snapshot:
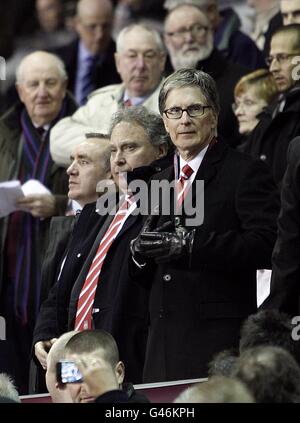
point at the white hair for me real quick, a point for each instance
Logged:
(56, 61)
(156, 36)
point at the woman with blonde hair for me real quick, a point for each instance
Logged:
(252, 94)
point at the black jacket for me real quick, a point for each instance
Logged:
(122, 305)
(270, 139)
(285, 283)
(198, 303)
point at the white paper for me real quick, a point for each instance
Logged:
(33, 186)
(11, 191)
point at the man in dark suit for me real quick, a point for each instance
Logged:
(90, 59)
(190, 42)
(285, 283)
(202, 278)
(137, 138)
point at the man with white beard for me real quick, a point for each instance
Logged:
(188, 37)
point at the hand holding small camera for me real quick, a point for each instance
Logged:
(97, 374)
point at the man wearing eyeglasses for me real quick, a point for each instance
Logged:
(89, 60)
(201, 276)
(279, 123)
(190, 42)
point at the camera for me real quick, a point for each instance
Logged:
(67, 372)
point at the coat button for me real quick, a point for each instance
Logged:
(78, 255)
(167, 277)
(263, 157)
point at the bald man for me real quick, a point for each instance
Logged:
(89, 59)
(24, 145)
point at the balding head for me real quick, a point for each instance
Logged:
(94, 24)
(41, 85)
(188, 36)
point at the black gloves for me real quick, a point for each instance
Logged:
(161, 245)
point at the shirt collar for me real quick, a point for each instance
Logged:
(195, 162)
(135, 101)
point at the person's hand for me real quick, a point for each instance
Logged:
(41, 350)
(39, 205)
(161, 245)
(97, 375)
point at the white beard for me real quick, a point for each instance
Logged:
(186, 58)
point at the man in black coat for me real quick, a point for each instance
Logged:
(279, 123)
(202, 277)
(120, 307)
(190, 42)
(285, 283)
(89, 60)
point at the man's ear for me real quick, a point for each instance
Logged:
(165, 120)
(19, 89)
(120, 372)
(162, 150)
(117, 60)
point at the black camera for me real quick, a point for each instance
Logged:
(67, 372)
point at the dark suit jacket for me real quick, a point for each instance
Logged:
(197, 306)
(122, 304)
(104, 74)
(285, 282)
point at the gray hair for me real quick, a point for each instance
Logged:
(7, 388)
(190, 78)
(55, 60)
(155, 34)
(151, 122)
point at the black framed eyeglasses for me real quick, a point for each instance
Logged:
(194, 110)
(280, 58)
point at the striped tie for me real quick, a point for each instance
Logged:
(182, 183)
(87, 295)
(87, 83)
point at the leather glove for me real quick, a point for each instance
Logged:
(161, 245)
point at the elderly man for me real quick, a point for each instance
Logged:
(189, 40)
(24, 143)
(290, 11)
(137, 138)
(202, 278)
(89, 60)
(140, 61)
(228, 39)
(279, 123)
